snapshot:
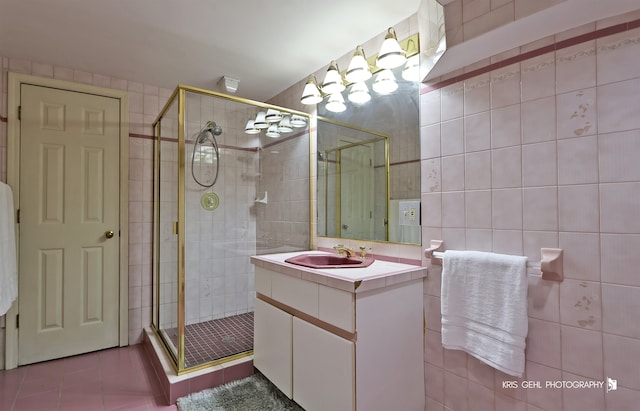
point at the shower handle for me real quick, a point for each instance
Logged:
(108, 234)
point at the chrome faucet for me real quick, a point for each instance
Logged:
(342, 250)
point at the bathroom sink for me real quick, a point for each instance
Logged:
(329, 261)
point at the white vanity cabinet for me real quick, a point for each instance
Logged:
(335, 344)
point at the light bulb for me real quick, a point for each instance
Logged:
(385, 82)
(359, 93)
(391, 54)
(336, 103)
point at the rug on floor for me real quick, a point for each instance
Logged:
(254, 393)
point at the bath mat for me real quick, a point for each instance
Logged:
(254, 393)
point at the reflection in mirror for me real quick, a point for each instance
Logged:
(353, 180)
(345, 140)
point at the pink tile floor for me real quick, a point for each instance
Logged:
(114, 379)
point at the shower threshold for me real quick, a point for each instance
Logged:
(215, 339)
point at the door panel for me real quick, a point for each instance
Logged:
(356, 199)
(69, 199)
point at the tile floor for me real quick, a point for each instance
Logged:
(211, 340)
(113, 379)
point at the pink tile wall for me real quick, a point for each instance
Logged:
(543, 152)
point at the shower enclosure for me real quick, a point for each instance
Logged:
(223, 191)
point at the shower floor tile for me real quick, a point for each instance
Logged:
(212, 340)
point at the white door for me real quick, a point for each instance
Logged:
(356, 188)
(69, 223)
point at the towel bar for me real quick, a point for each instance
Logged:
(550, 264)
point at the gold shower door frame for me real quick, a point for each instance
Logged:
(179, 94)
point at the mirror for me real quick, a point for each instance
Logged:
(369, 167)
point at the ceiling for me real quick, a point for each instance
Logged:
(266, 45)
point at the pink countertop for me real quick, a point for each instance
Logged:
(379, 274)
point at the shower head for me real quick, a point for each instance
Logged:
(215, 129)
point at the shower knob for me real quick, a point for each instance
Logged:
(108, 234)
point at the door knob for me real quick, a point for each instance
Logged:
(108, 234)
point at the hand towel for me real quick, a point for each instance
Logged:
(484, 307)
(8, 265)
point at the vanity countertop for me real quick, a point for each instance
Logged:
(379, 274)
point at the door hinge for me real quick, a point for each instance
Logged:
(18, 216)
(19, 112)
(18, 321)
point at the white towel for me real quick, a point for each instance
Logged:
(484, 307)
(8, 266)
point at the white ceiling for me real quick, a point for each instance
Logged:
(267, 45)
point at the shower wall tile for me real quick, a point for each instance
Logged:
(616, 57)
(452, 137)
(430, 142)
(507, 242)
(478, 170)
(543, 299)
(618, 351)
(505, 86)
(618, 201)
(506, 167)
(540, 209)
(576, 160)
(562, 172)
(452, 102)
(576, 67)
(577, 115)
(620, 259)
(578, 208)
(477, 93)
(581, 255)
(538, 77)
(617, 299)
(539, 166)
(543, 343)
(505, 126)
(617, 104)
(477, 209)
(617, 159)
(479, 239)
(582, 399)
(453, 173)
(477, 132)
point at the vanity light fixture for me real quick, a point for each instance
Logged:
(336, 103)
(284, 126)
(250, 128)
(411, 70)
(391, 54)
(273, 115)
(298, 121)
(385, 82)
(261, 122)
(311, 94)
(358, 70)
(272, 131)
(359, 93)
(333, 83)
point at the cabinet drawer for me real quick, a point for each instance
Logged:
(337, 307)
(296, 293)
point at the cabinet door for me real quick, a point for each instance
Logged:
(323, 369)
(272, 350)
